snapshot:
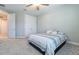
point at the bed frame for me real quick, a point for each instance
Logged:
(56, 50)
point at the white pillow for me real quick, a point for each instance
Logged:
(61, 33)
(54, 33)
(48, 32)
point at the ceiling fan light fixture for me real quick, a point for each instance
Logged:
(36, 4)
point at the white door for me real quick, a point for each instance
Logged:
(11, 26)
(30, 24)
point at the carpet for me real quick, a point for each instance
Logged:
(22, 47)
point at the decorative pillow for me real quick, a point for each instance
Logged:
(48, 32)
(54, 33)
(61, 33)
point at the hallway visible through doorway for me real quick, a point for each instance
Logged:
(3, 26)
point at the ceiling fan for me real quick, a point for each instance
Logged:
(2, 5)
(37, 5)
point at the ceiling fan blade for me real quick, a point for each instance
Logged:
(2, 5)
(37, 7)
(28, 5)
(45, 4)
(25, 9)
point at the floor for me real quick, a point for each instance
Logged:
(3, 36)
(21, 47)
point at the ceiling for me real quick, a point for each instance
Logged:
(13, 8)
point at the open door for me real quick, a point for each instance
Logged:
(3, 25)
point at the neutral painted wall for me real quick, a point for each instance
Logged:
(19, 25)
(64, 18)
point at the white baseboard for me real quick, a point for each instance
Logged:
(74, 43)
(20, 37)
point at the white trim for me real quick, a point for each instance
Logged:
(74, 43)
(20, 37)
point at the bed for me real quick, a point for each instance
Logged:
(46, 42)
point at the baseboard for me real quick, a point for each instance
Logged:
(18, 37)
(74, 43)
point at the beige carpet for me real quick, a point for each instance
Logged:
(21, 47)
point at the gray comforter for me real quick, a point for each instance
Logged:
(47, 43)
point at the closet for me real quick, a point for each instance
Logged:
(30, 24)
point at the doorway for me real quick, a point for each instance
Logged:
(3, 26)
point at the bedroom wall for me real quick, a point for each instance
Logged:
(64, 18)
(19, 25)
